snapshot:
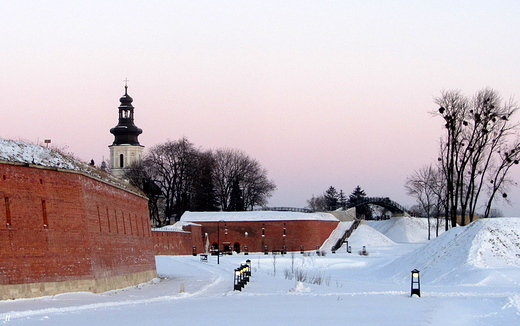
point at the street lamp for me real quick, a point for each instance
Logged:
(248, 262)
(416, 285)
(264, 247)
(218, 239)
(237, 283)
(284, 236)
(246, 249)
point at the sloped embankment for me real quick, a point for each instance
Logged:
(484, 245)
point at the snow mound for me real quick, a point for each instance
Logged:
(336, 235)
(299, 287)
(365, 235)
(405, 229)
(485, 244)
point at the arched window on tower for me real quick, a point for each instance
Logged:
(121, 161)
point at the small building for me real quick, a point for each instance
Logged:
(259, 231)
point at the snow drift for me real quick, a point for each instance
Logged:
(483, 244)
(405, 229)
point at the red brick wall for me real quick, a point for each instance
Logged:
(61, 225)
(306, 233)
(178, 243)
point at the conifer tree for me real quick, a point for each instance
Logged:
(331, 198)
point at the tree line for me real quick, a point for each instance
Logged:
(479, 147)
(332, 200)
(177, 177)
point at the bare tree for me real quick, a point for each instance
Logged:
(477, 150)
(172, 166)
(139, 177)
(240, 182)
(424, 185)
(318, 204)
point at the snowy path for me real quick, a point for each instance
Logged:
(208, 298)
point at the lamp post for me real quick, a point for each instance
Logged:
(264, 247)
(416, 285)
(284, 235)
(237, 284)
(218, 240)
(246, 249)
(248, 262)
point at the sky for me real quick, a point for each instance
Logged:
(321, 93)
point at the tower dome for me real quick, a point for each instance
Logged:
(126, 132)
(125, 149)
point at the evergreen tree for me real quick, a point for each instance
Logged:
(204, 196)
(342, 199)
(356, 195)
(362, 210)
(331, 198)
(236, 201)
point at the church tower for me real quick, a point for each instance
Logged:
(126, 148)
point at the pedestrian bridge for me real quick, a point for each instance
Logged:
(385, 202)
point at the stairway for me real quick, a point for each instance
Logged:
(345, 235)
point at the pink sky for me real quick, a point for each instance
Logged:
(321, 93)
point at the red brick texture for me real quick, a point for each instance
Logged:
(298, 233)
(306, 233)
(58, 225)
(178, 243)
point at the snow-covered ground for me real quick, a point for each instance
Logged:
(469, 276)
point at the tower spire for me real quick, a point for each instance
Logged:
(126, 132)
(126, 148)
(126, 85)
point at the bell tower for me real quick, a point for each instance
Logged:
(126, 148)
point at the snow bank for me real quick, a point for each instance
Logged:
(254, 216)
(335, 235)
(461, 254)
(405, 229)
(365, 235)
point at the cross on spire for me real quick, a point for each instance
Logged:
(126, 82)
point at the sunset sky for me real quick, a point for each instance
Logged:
(321, 93)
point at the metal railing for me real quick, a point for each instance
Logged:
(286, 209)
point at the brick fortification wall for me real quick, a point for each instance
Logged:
(64, 231)
(308, 234)
(178, 242)
(298, 233)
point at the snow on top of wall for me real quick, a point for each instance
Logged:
(21, 152)
(255, 216)
(177, 227)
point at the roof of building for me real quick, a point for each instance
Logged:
(255, 216)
